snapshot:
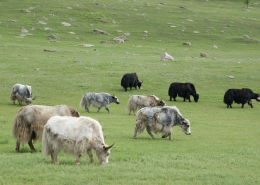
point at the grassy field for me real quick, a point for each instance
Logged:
(224, 145)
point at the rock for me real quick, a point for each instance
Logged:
(231, 77)
(41, 22)
(166, 57)
(85, 45)
(246, 36)
(145, 31)
(196, 32)
(11, 20)
(186, 43)
(204, 54)
(71, 20)
(48, 29)
(118, 31)
(127, 34)
(246, 10)
(26, 11)
(53, 36)
(113, 22)
(215, 47)
(182, 7)
(99, 31)
(24, 30)
(103, 42)
(65, 24)
(104, 19)
(118, 40)
(121, 37)
(37, 69)
(69, 8)
(71, 33)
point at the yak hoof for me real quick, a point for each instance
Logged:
(171, 139)
(135, 137)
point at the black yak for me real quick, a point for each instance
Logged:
(130, 80)
(183, 90)
(240, 96)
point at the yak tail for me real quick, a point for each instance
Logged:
(82, 102)
(37, 128)
(45, 145)
(141, 122)
(129, 104)
(12, 95)
(21, 131)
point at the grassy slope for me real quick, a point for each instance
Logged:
(223, 147)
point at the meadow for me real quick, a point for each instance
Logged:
(223, 147)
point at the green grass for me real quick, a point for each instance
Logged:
(224, 145)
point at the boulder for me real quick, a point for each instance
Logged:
(99, 31)
(186, 43)
(166, 57)
(202, 54)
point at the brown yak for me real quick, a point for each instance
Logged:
(29, 122)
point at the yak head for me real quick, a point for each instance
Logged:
(196, 97)
(162, 103)
(185, 125)
(115, 99)
(103, 153)
(28, 101)
(257, 97)
(140, 85)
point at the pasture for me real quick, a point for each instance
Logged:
(223, 147)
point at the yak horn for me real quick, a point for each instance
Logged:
(106, 148)
(34, 98)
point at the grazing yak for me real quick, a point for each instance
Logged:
(143, 101)
(182, 90)
(74, 136)
(160, 120)
(29, 121)
(97, 100)
(130, 80)
(21, 93)
(240, 96)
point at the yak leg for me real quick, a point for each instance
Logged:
(135, 133)
(170, 137)
(86, 108)
(77, 160)
(98, 109)
(90, 154)
(125, 89)
(31, 145)
(170, 98)
(250, 103)
(17, 148)
(242, 105)
(230, 106)
(106, 107)
(150, 133)
(30, 141)
(54, 157)
(134, 112)
(188, 96)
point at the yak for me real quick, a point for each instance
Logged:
(21, 93)
(183, 90)
(74, 136)
(160, 120)
(130, 80)
(29, 122)
(97, 100)
(243, 96)
(139, 101)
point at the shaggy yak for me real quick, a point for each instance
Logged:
(130, 80)
(97, 100)
(240, 96)
(29, 122)
(21, 93)
(74, 136)
(183, 90)
(160, 120)
(139, 101)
